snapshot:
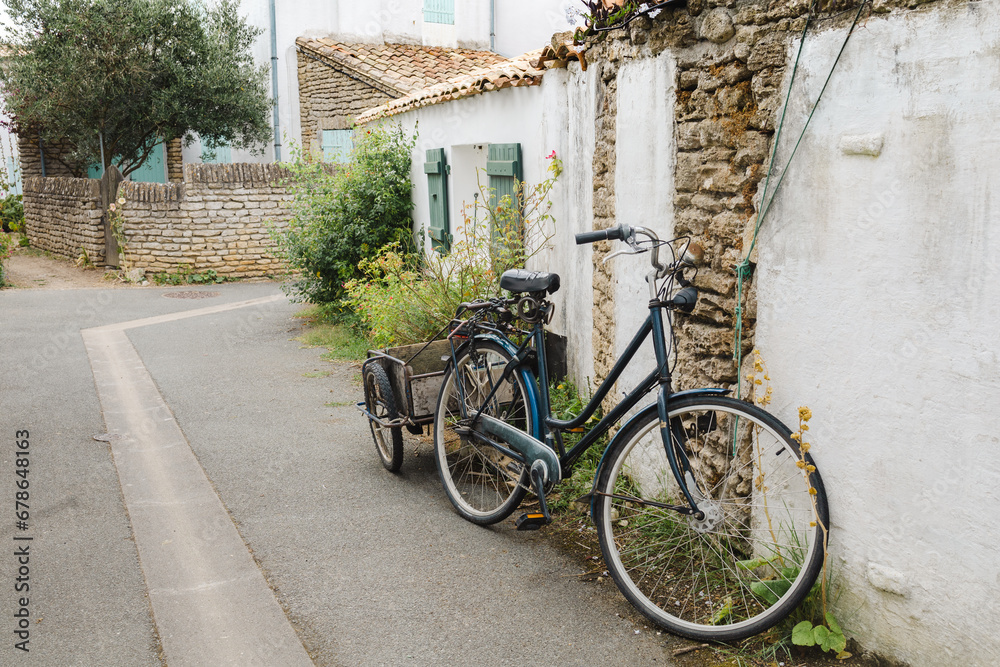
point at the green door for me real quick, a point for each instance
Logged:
(154, 169)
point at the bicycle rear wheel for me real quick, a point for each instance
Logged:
(759, 549)
(483, 484)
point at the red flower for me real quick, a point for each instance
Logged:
(551, 155)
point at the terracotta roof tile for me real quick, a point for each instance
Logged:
(403, 68)
(525, 70)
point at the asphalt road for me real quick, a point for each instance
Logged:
(369, 568)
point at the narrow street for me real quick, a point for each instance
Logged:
(238, 514)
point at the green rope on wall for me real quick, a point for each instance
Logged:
(743, 268)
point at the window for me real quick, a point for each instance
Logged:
(436, 169)
(439, 11)
(337, 145)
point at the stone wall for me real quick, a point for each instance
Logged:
(175, 161)
(56, 165)
(329, 100)
(218, 219)
(63, 216)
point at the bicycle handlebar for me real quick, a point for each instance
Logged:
(612, 234)
(627, 234)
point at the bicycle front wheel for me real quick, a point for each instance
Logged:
(760, 547)
(483, 484)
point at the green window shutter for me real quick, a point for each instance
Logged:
(337, 145)
(439, 11)
(503, 169)
(436, 169)
(212, 153)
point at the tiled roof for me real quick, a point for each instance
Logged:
(525, 70)
(397, 69)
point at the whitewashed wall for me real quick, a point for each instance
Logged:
(879, 301)
(556, 116)
(644, 192)
(520, 26)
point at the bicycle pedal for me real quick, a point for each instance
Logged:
(531, 521)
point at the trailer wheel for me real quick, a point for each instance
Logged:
(381, 402)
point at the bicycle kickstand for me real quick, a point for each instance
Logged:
(535, 520)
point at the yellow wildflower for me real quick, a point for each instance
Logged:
(805, 414)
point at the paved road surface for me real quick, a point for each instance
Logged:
(291, 540)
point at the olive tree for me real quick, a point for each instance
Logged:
(112, 78)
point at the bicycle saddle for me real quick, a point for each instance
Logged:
(522, 280)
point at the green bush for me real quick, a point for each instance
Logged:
(341, 216)
(12, 213)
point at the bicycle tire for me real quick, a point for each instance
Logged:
(759, 550)
(381, 402)
(483, 484)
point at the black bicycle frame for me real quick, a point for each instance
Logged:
(660, 376)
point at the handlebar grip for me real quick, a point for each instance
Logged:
(616, 233)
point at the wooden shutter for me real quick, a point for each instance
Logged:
(439, 11)
(503, 169)
(436, 169)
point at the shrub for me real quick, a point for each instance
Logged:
(12, 213)
(341, 216)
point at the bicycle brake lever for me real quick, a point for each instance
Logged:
(634, 251)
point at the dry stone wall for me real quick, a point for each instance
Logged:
(218, 219)
(63, 216)
(29, 150)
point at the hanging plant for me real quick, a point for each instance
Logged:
(604, 15)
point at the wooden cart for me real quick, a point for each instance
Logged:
(401, 390)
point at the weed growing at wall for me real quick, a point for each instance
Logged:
(404, 297)
(187, 277)
(117, 220)
(811, 624)
(345, 215)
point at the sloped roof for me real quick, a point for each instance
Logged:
(397, 69)
(525, 70)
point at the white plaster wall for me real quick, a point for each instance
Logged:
(522, 25)
(879, 298)
(526, 25)
(556, 116)
(644, 193)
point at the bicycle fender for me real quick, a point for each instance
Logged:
(698, 392)
(643, 414)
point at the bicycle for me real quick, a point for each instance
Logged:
(710, 519)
